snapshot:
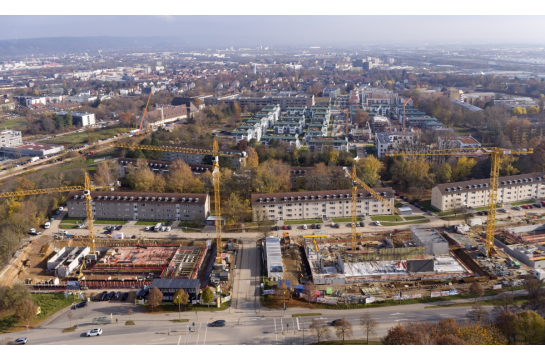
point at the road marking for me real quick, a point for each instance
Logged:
(398, 314)
(205, 332)
(298, 324)
(158, 339)
(179, 339)
(275, 326)
(197, 343)
(402, 319)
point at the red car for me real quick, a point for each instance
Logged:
(397, 194)
(526, 207)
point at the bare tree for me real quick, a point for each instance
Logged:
(343, 329)
(309, 290)
(477, 313)
(369, 325)
(476, 290)
(70, 316)
(319, 329)
(26, 310)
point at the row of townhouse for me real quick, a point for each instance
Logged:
(318, 204)
(196, 154)
(248, 131)
(157, 166)
(119, 205)
(475, 193)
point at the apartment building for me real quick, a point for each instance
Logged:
(259, 102)
(10, 138)
(328, 142)
(316, 130)
(380, 124)
(80, 118)
(318, 204)
(288, 127)
(384, 142)
(198, 156)
(474, 193)
(296, 110)
(119, 205)
(247, 131)
(291, 140)
(157, 166)
(165, 115)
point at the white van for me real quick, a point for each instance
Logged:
(304, 227)
(47, 225)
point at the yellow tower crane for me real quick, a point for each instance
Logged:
(355, 182)
(86, 192)
(495, 154)
(216, 175)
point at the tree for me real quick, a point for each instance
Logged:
(309, 290)
(463, 168)
(252, 160)
(319, 329)
(155, 297)
(26, 310)
(70, 316)
(236, 110)
(533, 110)
(207, 296)
(234, 210)
(505, 322)
(68, 119)
(518, 111)
(261, 217)
(443, 173)
(476, 290)
(536, 298)
(180, 298)
(242, 145)
(129, 312)
(529, 327)
(361, 118)
(104, 175)
(369, 325)
(12, 296)
(343, 329)
(368, 170)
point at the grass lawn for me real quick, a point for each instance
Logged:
(48, 303)
(72, 220)
(129, 322)
(344, 219)
(486, 207)
(110, 222)
(309, 314)
(250, 224)
(81, 138)
(427, 204)
(179, 320)
(146, 222)
(451, 218)
(387, 218)
(69, 226)
(522, 203)
(397, 204)
(348, 342)
(191, 224)
(404, 223)
(70, 329)
(167, 308)
(17, 122)
(407, 218)
(309, 221)
(302, 148)
(190, 230)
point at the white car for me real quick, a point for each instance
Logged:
(377, 223)
(169, 228)
(47, 225)
(63, 232)
(94, 332)
(34, 232)
(61, 208)
(20, 341)
(163, 228)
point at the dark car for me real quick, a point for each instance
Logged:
(289, 227)
(538, 206)
(336, 226)
(80, 305)
(218, 323)
(110, 296)
(318, 226)
(275, 228)
(117, 295)
(411, 202)
(335, 321)
(313, 226)
(109, 227)
(119, 227)
(103, 296)
(480, 213)
(485, 212)
(125, 296)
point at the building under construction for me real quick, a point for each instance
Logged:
(382, 259)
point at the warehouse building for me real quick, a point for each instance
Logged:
(31, 149)
(430, 239)
(169, 287)
(273, 258)
(474, 193)
(118, 205)
(318, 204)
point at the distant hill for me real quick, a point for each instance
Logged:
(51, 45)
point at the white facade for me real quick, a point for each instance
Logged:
(10, 138)
(385, 142)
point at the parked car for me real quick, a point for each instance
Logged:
(526, 207)
(396, 194)
(111, 295)
(336, 226)
(103, 296)
(430, 213)
(538, 205)
(289, 227)
(503, 210)
(517, 208)
(168, 228)
(377, 223)
(318, 226)
(80, 305)
(119, 227)
(147, 228)
(117, 295)
(109, 227)
(94, 332)
(47, 225)
(125, 296)
(218, 323)
(20, 341)
(34, 232)
(313, 226)
(285, 227)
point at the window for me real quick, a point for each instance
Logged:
(271, 211)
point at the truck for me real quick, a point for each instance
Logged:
(287, 240)
(35, 158)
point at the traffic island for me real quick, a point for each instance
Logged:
(129, 322)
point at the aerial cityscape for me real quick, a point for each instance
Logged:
(233, 186)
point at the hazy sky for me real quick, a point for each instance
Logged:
(286, 30)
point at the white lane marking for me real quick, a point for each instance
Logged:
(158, 339)
(298, 324)
(205, 331)
(402, 319)
(197, 343)
(179, 339)
(275, 326)
(398, 314)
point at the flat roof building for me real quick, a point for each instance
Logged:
(31, 149)
(431, 240)
(273, 258)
